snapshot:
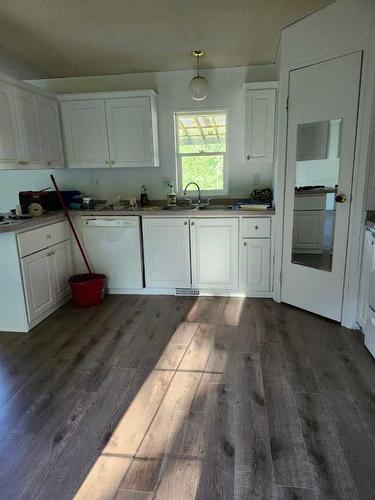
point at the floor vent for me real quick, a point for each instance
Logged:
(187, 292)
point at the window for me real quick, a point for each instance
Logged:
(201, 146)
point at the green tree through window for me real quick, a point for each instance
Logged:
(201, 149)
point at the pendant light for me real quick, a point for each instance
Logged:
(198, 86)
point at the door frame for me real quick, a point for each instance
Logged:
(360, 174)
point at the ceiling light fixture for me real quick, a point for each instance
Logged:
(198, 86)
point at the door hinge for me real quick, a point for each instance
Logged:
(287, 103)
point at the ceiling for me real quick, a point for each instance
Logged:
(62, 38)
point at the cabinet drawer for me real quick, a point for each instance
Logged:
(256, 227)
(36, 239)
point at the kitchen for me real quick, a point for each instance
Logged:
(230, 207)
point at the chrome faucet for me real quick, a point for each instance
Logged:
(199, 191)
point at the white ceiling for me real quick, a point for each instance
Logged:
(93, 37)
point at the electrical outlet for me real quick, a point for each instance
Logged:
(98, 182)
(256, 179)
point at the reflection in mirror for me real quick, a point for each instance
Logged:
(317, 175)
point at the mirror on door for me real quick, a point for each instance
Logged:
(317, 176)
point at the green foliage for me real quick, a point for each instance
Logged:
(207, 171)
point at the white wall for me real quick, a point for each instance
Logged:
(226, 91)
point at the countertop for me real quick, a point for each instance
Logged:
(35, 222)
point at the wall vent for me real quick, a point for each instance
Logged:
(187, 292)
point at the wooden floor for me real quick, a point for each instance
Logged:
(182, 398)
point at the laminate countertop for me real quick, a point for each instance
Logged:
(21, 225)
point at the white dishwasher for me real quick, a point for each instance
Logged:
(113, 245)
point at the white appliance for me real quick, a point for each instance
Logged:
(113, 245)
(369, 329)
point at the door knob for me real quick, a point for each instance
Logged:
(340, 198)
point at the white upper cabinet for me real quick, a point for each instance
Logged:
(29, 127)
(214, 253)
(260, 110)
(130, 132)
(110, 129)
(85, 133)
(30, 131)
(53, 154)
(8, 131)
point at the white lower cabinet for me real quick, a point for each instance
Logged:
(37, 270)
(45, 276)
(166, 252)
(256, 260)
(214, 253)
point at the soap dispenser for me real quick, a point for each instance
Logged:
(171, 196)
(144, 196)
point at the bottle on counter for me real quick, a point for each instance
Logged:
(144, 196)
(171, 196)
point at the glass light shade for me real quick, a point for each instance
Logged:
(198, 88)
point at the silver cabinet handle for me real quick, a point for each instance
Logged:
(185, 223)
(112, 162)
(192, 223)
(257, 227)
(248, 157)
(245, 244)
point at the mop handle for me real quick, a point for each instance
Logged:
(71, 224)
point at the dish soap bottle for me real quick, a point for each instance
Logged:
(144, 196)
(171, 197)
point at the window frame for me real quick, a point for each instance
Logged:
(179, 156)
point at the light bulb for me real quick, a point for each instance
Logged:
(198, 88)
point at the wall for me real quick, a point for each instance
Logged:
(226, 91)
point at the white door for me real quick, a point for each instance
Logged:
(53, 155)
(214, 253)
(323, 105)
(9, 154)
(130, 132)
(260, 108)
(256, 261)
(63, 268)
(85, 133)
(166, 252)
(29, 128)
(113, 246)
(39, 283)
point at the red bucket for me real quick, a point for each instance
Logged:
(87, 289)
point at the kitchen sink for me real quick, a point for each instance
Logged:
(215, 207)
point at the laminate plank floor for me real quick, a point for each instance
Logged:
(178, 398)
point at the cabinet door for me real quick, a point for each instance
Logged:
(166, 252)
(39, 283)
(214, 253)
(53, 155)
(85, 133)
(260, 109)
(9, 153)
(255, 264)
(62, 268)
(29, 128)
(308, 231)
(130, 132)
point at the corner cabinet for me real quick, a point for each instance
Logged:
(110, 129)
(30, 131)
(260, 113)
